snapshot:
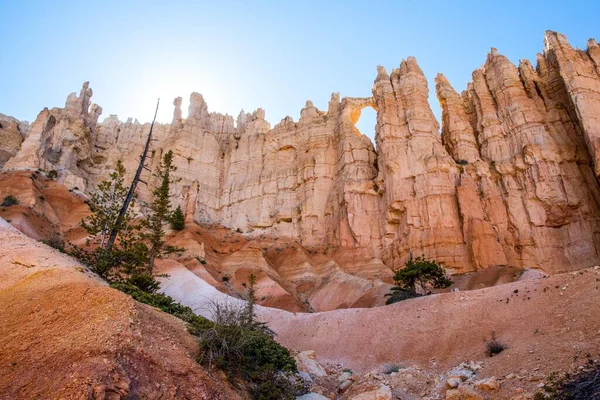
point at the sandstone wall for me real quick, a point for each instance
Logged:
(12, 132)
(511, 180)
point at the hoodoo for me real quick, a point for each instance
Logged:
(512, 180)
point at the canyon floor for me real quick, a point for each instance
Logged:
(548, 324)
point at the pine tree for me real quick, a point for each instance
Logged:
(105, 203)
(251, 300)
(160, 213)
(416, 279)
(177, 219)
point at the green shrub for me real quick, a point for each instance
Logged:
(493, 346)
(391, 368)
(244, 348)
(144, 281)
(55, 242)
(583, 385)
(52, 174)
(200, 260)
(236, 343)
(419, 276)
(197, 324)
(398, 294)
(10, 200)
(249, 352)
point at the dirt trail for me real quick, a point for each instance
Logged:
(66, 335)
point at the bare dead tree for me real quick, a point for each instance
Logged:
(115, 230)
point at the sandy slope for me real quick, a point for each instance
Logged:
(66, 335)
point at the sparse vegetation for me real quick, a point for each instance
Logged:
(583, 385)
(55, 242)
(235, 342)
(493, 346)
(417, 278)
(9, 201)
(42, 198)
(200, 260)
(52, 174)
(196, 324)
(245, 349)
(391, 368)
(226, 278)
(397, 294)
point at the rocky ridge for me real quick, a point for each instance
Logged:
(511, 181)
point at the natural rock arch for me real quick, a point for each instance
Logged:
(352, 108)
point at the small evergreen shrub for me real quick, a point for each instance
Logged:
(144, 281)
(52, 174)
(417, 278)
(391, 368)
(398, 294)
(493, 346)
(245, 349)
(583, 385)
(196, 323)
(55, 242)
(178, 219)
(9, 201)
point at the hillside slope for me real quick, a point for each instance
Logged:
(66, 335)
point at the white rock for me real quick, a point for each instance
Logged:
(312, 396)
(383, 393)
(453, 382)
(487, 384)
(307, 362)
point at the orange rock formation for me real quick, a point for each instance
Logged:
(512, 179)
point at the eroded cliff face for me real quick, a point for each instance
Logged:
(12, 132)
(511, 180)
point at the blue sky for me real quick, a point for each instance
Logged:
(249, 54)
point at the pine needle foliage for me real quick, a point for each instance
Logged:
(105, 203)
(245, 349)
(130, 252)
(417, 278)
(160, 214)
(178, 219)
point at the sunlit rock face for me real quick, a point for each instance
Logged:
(12, 132)
(511, 180)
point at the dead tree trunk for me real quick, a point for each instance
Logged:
(115, 230)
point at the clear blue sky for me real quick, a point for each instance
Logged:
(249, 54)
